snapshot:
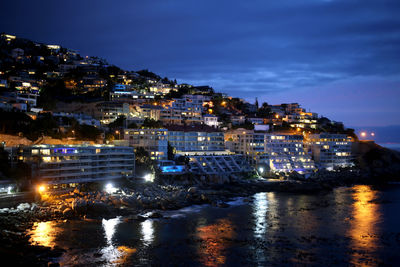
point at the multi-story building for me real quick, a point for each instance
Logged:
(330, 150)
(110, 111)
(71, 164)
(204, 146)
(195, 138)
(154, 141)
(191, 108)
(211, 120)
(276, 152)
(302, 120)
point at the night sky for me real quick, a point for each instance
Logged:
(338, 58)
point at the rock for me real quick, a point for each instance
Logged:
(79, 205)
(155, 214)
(67, 212)
(223, 205)
(23, 206)
(192, 190)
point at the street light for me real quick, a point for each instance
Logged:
(117, 132)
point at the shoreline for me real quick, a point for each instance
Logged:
(15, 225)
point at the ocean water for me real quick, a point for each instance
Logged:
(357, 226)
(394, 146)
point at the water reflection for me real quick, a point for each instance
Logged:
(215, 240)
(147, 230)
(116, 255)
(44, 234)
(260, 214)
(363, 229)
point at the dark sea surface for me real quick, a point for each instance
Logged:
(357, 226)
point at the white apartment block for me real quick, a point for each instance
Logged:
(330, 150)
(71, 164)
(274, 151)
(195, 138)
(154, 141)
(211, 120)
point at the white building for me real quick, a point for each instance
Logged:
(195, 138)
(271, 151)
(211, 120)
(154, 141)
(330, 150)
(71, 164)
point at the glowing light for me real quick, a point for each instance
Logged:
(261, 169)
(277, 116)
(363, 134)
(109, 188)
(41, 189)
(9, 190)
(372, 134)
(149, 177)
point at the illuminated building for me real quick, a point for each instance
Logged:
(69, 164)
(330, 150)
(154, 141)
(110, 111)
(204, 146)
(211, 120)
(302, 120)
(277, 152)
(195, 138)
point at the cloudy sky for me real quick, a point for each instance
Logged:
(340, 58)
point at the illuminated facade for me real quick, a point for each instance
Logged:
(330, 150)
(302, 120)
(154, 141)
(195, 138)
(57, 164)
(277, 152)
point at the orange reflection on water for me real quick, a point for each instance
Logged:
(363, 228)
(44, 234)
(215, 239)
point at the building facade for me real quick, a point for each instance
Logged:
(275, 152)
(329, 150)
(154, 141)
(71, 164)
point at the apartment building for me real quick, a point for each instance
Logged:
(72, 164)
(329, 150)
(276, 152)
(195, 138)
(154, 141)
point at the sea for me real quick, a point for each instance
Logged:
(356, 226)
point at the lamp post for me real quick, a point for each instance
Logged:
(117, 132)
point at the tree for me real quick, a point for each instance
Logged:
(171, 152)
(150, 123)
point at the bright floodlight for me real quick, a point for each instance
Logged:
(148, 177)
(41, 188)
(109, 188)
(9, 190)
(261, 169)
(363, 134)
